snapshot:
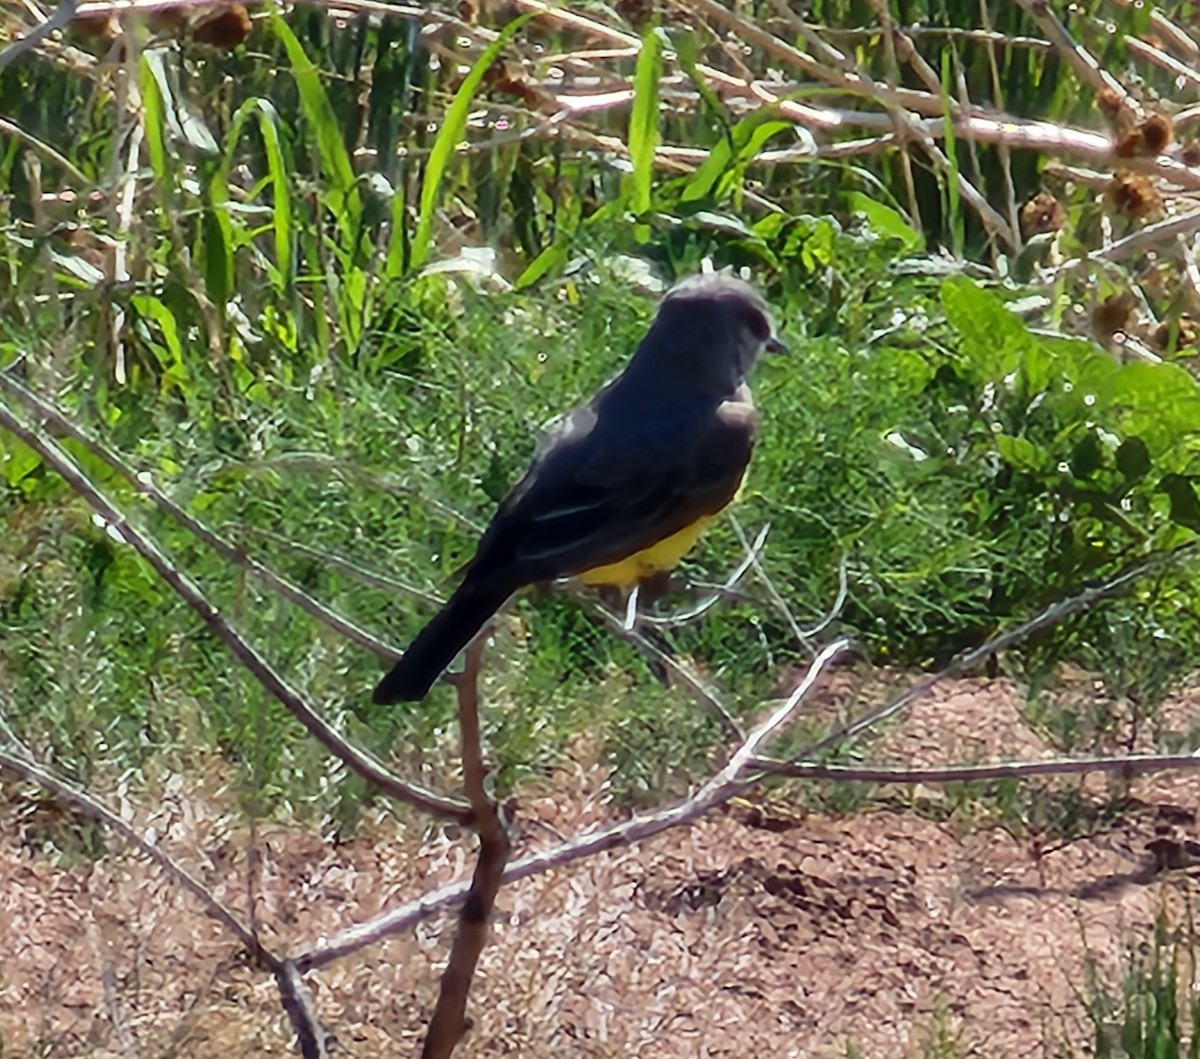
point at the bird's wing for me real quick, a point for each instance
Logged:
(599, 491)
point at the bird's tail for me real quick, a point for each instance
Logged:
(452, 628)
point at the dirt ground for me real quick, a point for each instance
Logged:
(754, 933)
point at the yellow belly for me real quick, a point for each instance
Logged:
(649, 561)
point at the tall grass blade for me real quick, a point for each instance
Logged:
(277, 173)
(644, 126)
(344, 200)
(454, 126)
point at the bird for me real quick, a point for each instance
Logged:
(620, 488)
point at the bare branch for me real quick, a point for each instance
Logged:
(62, 426)
(352, 569)
(700, 691)
(725, 785)
(298, 1005)
(1127, 765)
(1051, 616)
(58, 18)
(1085, 64)
(689, 614)
(32, 772)
(365, 764)
(449, 1023)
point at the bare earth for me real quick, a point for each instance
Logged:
(756, 933)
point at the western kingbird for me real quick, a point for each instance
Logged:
(619, 489)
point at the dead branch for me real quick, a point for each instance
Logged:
(81, 801)
(1127, 765)
(59, 424)
(1048, 618)
(362, 762)
(58, 18)
(310, 1037)
(449, 1023)
(730, 781)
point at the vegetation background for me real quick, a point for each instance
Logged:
(322, 273)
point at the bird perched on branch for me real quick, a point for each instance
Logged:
(621, 488)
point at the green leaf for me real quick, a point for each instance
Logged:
(643, 126)
(153, 309)
(281, 198)
(18, 460)
(345, 202)
(154, 120)
(450, 135)
(554, 257)
(731, 154)
(1022, 454)
(1133, 458)
(1088, 456)
(994, 340)
(1185, 507)
(277, 170)
(954, 210)
(906, 371)
(1158, 402)
(217, 244)
(687, 55)
(885, 221)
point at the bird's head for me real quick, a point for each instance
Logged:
(718, 325)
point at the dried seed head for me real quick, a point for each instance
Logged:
(1156, 132)
(224, 29)
(1041, 214)
(1134, 195)
(1112, 315)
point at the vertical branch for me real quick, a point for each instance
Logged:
(449, 1023)
(310, 1035)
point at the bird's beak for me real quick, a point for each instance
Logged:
(776, 345)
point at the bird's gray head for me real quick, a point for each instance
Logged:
(713, 328)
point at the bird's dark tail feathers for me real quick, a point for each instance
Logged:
(451, 629)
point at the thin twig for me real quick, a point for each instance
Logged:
(1126, 765)
(365, 764)
(32, 772)
(1182, 71)
(700, 691)
(333, 561)
(729, 782)
(685, 615)
(1051, 616)
(1089, 70)
(911, 127)
(60, 16)
(773, 594)
(892, 65)
(60, 160)
(449, 1023)
(144, 484)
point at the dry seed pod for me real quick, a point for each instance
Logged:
(224, 28)
(1112, 316)
(1133, 195)
(1128, 145)
(1115, 111)
(1042, 214)
(636, 12)
(1185, 335)
(1156, 133)
(104, 26)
